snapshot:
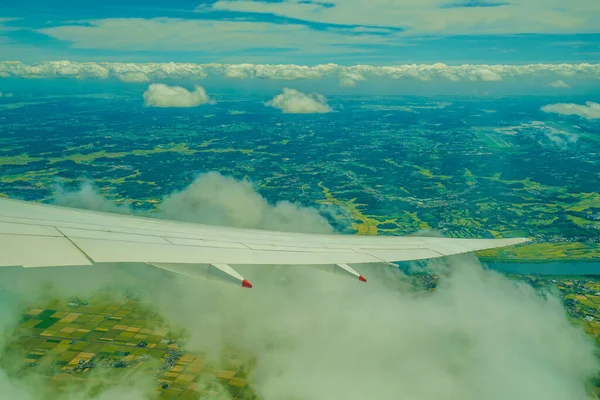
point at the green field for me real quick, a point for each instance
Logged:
(101, 344)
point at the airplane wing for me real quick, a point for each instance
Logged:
(42, 235)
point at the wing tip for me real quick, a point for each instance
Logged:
(362, 278)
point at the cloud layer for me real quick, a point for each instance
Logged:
(590, 110)
(314, 335)
(292, 101)
(346, 75)
(161, 95)
(459, 17)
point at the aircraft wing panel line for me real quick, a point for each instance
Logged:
(226, 243)
(11, 228)
(75, 245)
(103, 235)
(189, 229)
(156, 225)
(159, 233)
(204, 243)
(45, 235)
(389, 255)
(201, 232)
(115, 251)
(265, 248)
(71, 231)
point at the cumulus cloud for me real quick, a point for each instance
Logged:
(590, 110)
(313, 335)
(86, 196)
(559, 84)
(479, 336)
(211, 199)
(346, 75)
(218, 200)
(292, 101)
(161, 95)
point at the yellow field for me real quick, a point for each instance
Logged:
(545, 251)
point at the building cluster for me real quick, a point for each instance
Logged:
(170, 359)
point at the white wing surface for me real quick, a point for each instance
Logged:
(41, 235)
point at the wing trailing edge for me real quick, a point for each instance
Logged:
(41, 235)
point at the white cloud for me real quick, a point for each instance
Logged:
(5, 28)
(5, 95)
(127, 72)
(161, 95)
(590, 110)
(88, 198)
(133, 76)
(313, 335)
(420, 17)
(280, 71)
(212, 199)
(559, 84)
(218, 200)
(562, 139)
(546, 133)
(171, 34)
(292, 101)
(346, 75)
(349, 78)
(484, 74)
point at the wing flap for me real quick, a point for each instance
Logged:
(39, 251)
(28, 229)
(114, 251)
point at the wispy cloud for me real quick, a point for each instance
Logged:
(172, 34)
(590, 110)
(435, 16)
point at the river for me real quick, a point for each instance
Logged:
(525, 268)
(548, 268)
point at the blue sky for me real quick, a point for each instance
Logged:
(309, 32)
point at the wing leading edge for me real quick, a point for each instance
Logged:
(41, 235)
